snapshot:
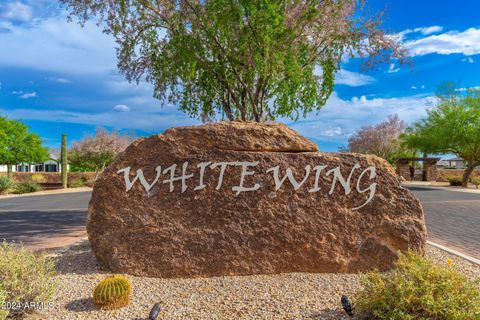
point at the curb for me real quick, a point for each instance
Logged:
(447, 188)
(455, 252)
(46, 193)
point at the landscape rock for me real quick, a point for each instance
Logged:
(245, 198)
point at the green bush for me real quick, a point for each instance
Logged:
(475, 181)
(3, 313)
(27, 187)
(5, 183)
(418, 289)
(455, 181)
(78, 182)
(25, 276)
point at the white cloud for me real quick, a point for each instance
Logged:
(466, 42)
(392, 69)
(413, 88)
(469, 88)
(339, 118)
(422, 86)
(469, 60)
(158, 121)
(55, 45)
(17, 92)
(59, 80)
(336, 131)
(352, 79)
(121, 108)
(335, 122)
(28, 95)
(429, 30)
(423, 30)
(16, 11)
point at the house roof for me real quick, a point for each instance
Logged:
(455, 159)
(54, 154)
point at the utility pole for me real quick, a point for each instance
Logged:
(64, 160)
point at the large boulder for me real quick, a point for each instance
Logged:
(246, 198)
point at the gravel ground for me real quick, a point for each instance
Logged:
(283, 296)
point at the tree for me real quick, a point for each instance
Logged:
(18, 145)
(250, 60)
(453, 126)
(96, 152)
(382, 140)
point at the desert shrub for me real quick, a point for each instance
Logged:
(455, 181)
(419, 289)
(113, 292)
(3, 313)
(38, 178)
(78, 182)
(27, 187)
(475, 181)
(5, 183)
(25, 276)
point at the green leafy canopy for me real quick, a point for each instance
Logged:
(17, 144)
(452, 126)
(248, 60)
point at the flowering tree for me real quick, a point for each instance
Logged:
(382, 140)
(95, 152)
(249, 60)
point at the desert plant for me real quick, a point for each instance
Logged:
(417, 288)
(26, 187)
(5, 183)
(3, 312)
(26, 276)
(38, 178)
(475, 181)
(455, 181)
(78, 182)
(113, 292)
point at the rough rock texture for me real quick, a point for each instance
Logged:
(210, 232)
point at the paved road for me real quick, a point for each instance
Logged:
(44, 221)
(452, 218)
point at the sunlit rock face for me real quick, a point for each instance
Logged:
(244, 198)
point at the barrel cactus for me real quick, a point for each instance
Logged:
(113, 292)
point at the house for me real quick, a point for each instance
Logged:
(442, 164)
(454, 163)
(53, 164)
(457, 163)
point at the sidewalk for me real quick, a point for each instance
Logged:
(46, 192)
(439, 185)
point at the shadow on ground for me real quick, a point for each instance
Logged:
(333, 314)
(79, 305)
(29, 226)
(77, 259)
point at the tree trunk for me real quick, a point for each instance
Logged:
(466, 174)
(9, 170)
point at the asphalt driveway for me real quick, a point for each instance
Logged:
(44, 221)
(452, 218)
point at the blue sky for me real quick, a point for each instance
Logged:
(58, 77)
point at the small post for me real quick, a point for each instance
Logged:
(64, 165)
